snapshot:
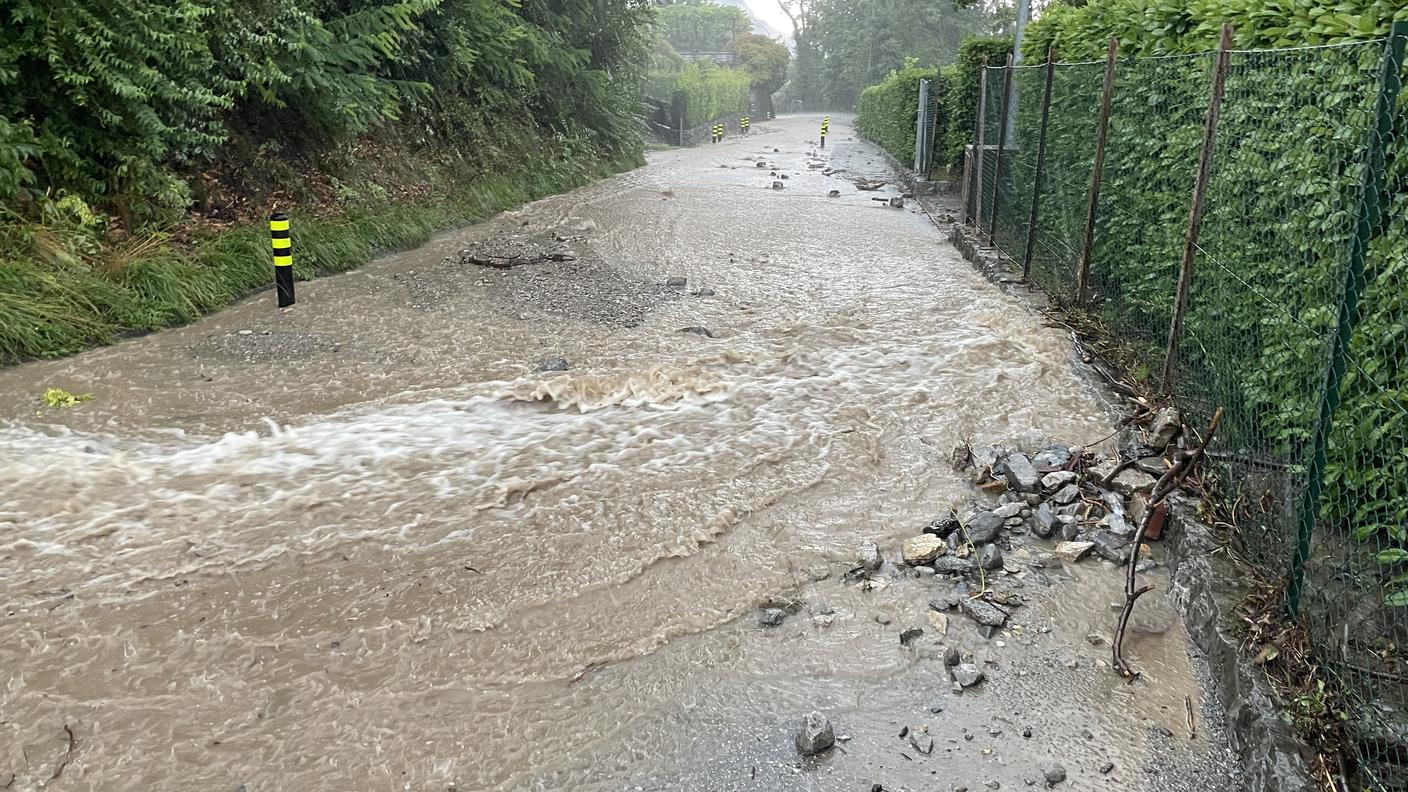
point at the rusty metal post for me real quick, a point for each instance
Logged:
(1096, 174)
(1001, 144)
(1040, 165)
(1195, 211)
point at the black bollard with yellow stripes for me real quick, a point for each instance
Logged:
(743, 123)
(718, 133)
(825, 124)
(283, 257)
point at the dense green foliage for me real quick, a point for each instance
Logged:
(711, 92)
(702, 25)
(1276, 236)
(766, 62)
(961, 105)
(118, 120)
(887, 113)
(842, 46)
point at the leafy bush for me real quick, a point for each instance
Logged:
(887, 113)
(961, 104)
(711, 92)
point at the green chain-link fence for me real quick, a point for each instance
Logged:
(1297, 308)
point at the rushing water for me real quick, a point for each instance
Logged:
(364, 544)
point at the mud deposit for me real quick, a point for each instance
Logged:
(366, 544)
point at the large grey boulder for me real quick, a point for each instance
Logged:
(1021, 475)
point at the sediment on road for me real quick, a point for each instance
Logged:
(70, 294)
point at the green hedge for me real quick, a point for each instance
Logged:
(711, 92)
(886, 113)
(1279, 213)
(961, 106)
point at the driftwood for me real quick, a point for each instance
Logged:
(1167, 484)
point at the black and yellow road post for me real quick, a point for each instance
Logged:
(743, 123)
(283, 257)
(718, 132)
(825, 125)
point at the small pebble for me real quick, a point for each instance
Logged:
(1106, 768)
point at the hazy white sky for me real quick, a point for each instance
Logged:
(769, 11)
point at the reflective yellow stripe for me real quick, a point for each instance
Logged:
(280, 244)
(283, 261)
(278, 225)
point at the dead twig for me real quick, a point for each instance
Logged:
(9, 783)
(1192, 729)
(68, 755)
(1167, 484)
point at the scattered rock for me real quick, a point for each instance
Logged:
(922, 549)
(676, 282)
(1021, 476)
(1054, 481)
(921, 740)
(1069, 530)
(983, 613)
(777, 185)
(939, 622)
(816, 735)
(1165, 427)
(952, 657)
(1106, 768)
(1045, 522)
(1053, 456)
(984, 528)
(1067, 494)
(762, 165)
(773, 617)
(907, 636)
(1154, 466)
(1116, 524)
(952, 565)
(967, 675)
(1027, 732)
(834, 194)
(943, 527)
(945, 602)
(896, 202)
(698, 330)
(1047, 561)
(1073, 551)
(1008, 510)
(553, 364)
(869, 556)
(1055, 774)
(1094, 639)
(1130, 481)
(990, 557)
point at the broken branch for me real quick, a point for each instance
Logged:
(1167, 484)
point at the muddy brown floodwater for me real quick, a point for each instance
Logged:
(363, 544)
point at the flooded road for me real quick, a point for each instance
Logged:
(365, 544)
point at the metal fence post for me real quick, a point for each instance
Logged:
(921, 121)
(982, 127)
(1096, 174)
(1001, 144)
(1371, 205)
(1040, 165)
(1195, 211)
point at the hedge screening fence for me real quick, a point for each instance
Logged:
(1249, 244)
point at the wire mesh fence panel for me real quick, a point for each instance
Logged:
(1072, 127)
(1013, 194)
(1156, 127)
(991, 107)
(1271, 261)
(1355, 594)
